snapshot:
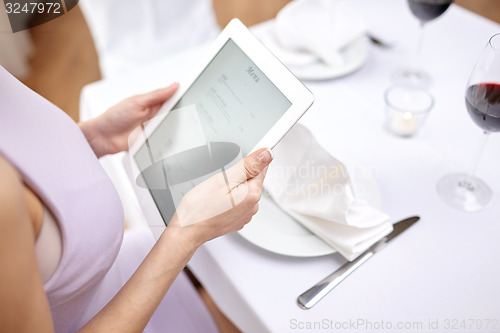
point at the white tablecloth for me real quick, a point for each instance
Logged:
(443, 273)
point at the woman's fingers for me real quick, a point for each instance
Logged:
(256, 163)
(246, 178)
(248, 168)
(156, 97)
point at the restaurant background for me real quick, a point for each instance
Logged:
(61, 58)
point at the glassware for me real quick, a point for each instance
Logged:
(482, 97)
(406, 109)
(425, 11)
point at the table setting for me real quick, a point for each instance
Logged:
(372, 151)
(315, 189)
(317, 39)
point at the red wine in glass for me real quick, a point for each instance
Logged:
(427, 10)
(465, 191)
(483, 104)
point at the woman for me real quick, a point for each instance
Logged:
(61, 222)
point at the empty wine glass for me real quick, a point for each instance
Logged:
(425, 11)
(482, 97)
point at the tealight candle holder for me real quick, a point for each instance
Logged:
(406, 109)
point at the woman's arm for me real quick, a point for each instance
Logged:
(23, 303)
(109, 133)
(131, 309)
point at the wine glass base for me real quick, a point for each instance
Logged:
(412, 77)
(463, 192)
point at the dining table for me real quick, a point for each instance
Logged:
(443, 273)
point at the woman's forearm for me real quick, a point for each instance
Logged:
(133, 306)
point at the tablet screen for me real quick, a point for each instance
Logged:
(235, 103)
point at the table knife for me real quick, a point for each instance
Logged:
(312, 296)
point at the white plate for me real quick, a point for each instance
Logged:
(354, 56)
(274, 230)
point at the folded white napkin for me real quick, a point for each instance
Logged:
(315, 188)
(308, 31)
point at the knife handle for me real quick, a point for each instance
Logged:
(312, 296)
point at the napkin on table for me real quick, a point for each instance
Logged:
(316, 189)
(308, 31)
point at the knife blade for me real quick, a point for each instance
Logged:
(313, 295)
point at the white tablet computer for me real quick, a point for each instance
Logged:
(239, 98)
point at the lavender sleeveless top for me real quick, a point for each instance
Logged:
(56, 162)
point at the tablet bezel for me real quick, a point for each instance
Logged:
(299, 96)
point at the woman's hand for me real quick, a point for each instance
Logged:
(108, 133)
(223, 203)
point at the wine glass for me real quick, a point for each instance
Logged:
(482, 98)
(425, 11)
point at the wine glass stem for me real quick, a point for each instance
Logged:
(479, 151)
(418, 53)
(468, 183)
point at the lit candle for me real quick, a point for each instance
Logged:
(403, 123)
(406, 109)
